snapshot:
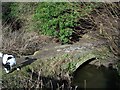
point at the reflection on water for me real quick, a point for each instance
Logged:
(90, 76)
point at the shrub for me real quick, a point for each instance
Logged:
(58, 19)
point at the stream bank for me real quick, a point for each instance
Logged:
(59, 62)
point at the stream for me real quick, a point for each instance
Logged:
(90, 76)
(87, 76)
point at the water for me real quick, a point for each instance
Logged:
(90, 76)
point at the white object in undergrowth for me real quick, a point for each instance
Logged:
(8, 61)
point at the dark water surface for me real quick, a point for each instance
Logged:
(90, 76)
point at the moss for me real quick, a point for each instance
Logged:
(102, 53)
(54, 66)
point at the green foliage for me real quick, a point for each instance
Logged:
(64, 35)
(71, 66)
(58, 19)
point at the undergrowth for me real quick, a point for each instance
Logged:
(59, 19)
